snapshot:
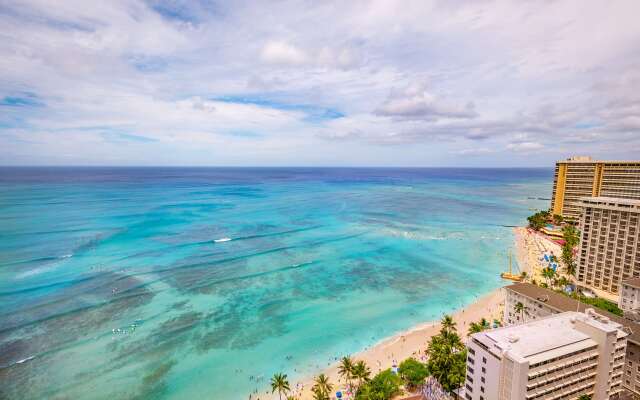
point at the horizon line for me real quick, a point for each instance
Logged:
(274, 166)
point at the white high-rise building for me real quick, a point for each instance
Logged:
(609, 250)
(562, 356)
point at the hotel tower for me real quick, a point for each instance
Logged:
(561, 356)
(609, 249)
(578, 177)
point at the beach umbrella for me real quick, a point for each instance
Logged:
(339, 395)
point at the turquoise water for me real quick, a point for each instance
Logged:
(184, 283)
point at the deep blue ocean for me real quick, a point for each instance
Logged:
(166, 283)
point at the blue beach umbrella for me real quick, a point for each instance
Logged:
(339, 395)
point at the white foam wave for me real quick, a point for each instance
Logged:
(221, 240)
(25, 360)
(423, 235)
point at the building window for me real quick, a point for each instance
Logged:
(482, 389)
(482, 379)
(484, 370)
(484, 360)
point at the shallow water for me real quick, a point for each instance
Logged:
(184, 283)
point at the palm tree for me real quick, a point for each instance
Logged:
(519, 308)
(362, 372)
(584, 397)
(474, 327)
(548, 274)
(280, 383)
(292, 398)
(571, 269)
(563, 281)
(448, 324)
(346, 369)
(523, 276)
(323, 385)
(319, 394)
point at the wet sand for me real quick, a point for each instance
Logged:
(411, 343)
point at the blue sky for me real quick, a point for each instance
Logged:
(411, 83)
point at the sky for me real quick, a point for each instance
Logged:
(318, 83)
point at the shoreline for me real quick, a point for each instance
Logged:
(529, 248)
(409, 343)
(413, 341)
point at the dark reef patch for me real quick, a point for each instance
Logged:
(158, 373)
(50, 326)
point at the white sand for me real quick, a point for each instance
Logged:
(413, 343)
(529, 248)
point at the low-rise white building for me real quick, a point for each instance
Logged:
(539, 303)
(561, 356)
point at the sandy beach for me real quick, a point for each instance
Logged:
(530, 246)
(412, 343)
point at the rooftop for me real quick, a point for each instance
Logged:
(610, 200)
(587, 159)
(562, 303)
(539, 336)
(634, 282)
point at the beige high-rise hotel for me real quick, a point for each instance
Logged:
(578, 177)
(609, 249)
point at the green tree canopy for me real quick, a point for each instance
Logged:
(361, 372)
(538, 220)
(447, 358)
(383, 386)
(412, 372)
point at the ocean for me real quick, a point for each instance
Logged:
(167, 283)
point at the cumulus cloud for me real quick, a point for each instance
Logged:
(415, 102)
(279, 52)
(441, 80)
(282, 53)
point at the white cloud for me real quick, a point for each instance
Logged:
(278, 52)
(475, 151)
(415, 102)
(524, 147)
(446, 78)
